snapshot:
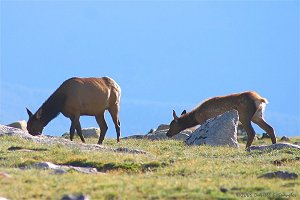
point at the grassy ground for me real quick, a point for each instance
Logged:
(171, 170)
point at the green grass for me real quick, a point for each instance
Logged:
(171, 170)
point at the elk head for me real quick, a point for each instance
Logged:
(34, 125)
(176, 125)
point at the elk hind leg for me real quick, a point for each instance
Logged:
(114, 112)
(266, 127)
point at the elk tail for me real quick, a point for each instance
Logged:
(264, 100)
(260, 105)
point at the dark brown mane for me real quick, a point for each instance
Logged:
(52, 106)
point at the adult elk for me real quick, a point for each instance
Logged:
(77, 97)
(250, 107)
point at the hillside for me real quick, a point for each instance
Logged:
(164, 170)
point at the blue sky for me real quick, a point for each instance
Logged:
(164, 54)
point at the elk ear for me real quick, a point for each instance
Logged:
(29, 112)
(39, 114)
(183, 112)
(174, 115)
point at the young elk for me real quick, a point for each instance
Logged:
(250, 107)
(77, 97)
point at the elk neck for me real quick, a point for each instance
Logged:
(188, 120)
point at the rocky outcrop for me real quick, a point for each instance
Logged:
(19, 124)
(280, 174)
(136, 137)
(10, 131)
(218, 131)
(160, 133)
(61, 169)
(52, 140)
(163, 127)
(273, 146)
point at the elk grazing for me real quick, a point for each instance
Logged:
(250, 107)
(77, 97)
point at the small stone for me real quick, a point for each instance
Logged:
(285, 139)
(265, 135)
(223, 189)
(75, 197)
(59, 171)
(278, 162)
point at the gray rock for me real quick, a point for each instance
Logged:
(85, 170)
(218, 131)
(45, 165)
(280, 174)
(91, 132)
(264, 135)
(163, 127)
(152, 130)
(134, 137)
(162, 135)
(75, 197)
(240, 129)
(10, 131)
(285, 139)
(60, 169)
(127, 150)
(273, 146)
(19, 124)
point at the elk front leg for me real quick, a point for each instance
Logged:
(250, 132)
(114, 112)
(103, 127)
(76, 125)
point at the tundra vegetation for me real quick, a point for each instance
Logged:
(170, 170)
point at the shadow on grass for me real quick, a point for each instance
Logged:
(19, 148)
